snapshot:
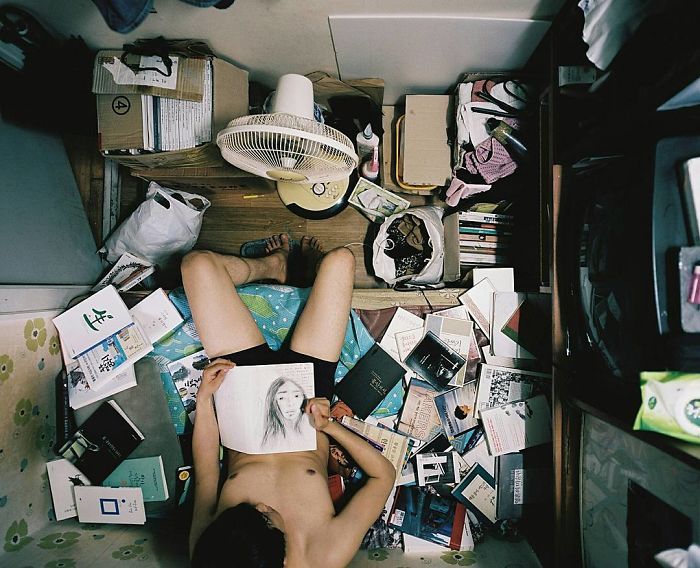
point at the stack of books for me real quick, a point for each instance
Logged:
(469, 439)
(484, 238)
(101, 339)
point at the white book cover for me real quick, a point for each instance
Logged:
(517, 425)
(113, 355)
(457, 312)
(187, 376)
(260, 408)
(403, 320)
(457, 333)
(503, 307)
(91, 321)
(113, 505)
(63, 478)
(407, 340)
(128, 271)
(80, 393)
(156, 315)
(478, 303)
(479, 454)
(502, 279)
(499, 385)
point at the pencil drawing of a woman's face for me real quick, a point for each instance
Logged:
(284, 403)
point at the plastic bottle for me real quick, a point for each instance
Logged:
(370, 167)
(366, 142)
(506, 135)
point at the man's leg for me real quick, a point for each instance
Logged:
(223, 321)
(320, 331)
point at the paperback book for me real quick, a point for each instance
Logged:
(435, 361)
(187, 376)
(145, 473)
(92, 321)
(455, 409)
(63, 477)
(442, 467)
(157, 316)
(478, 493)
(403, 320)
(128, 271)
(102, 442)
(80, 393)
(123, 505)
(113, 355)
(260, 408)
(419, 418)
(369, 381)
(457, 333)
(499, 385)
(423, 513)
(522, 479)
(517, 425)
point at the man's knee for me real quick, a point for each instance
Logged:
(340, 258)
(197, 261)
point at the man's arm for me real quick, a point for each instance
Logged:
(205, 450)
(348, 528)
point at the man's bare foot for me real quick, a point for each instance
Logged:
(277, 249)
(311, 254)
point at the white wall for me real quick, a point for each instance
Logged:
(268, 37)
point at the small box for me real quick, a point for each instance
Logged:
(124, 129)
(426, 148)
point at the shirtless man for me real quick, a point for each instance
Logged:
(275, 509)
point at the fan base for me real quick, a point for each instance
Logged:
(314, 201)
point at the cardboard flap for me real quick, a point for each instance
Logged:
(326, 87)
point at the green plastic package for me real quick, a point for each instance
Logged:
(670, 404)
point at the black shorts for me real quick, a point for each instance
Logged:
(324, 371)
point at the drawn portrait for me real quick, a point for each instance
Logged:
(284, 403)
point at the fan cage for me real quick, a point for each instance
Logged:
(286, 143)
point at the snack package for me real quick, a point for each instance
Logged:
(670, 404)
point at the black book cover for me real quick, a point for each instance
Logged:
(435, 361)
(522, 479)
(105, 440)
(369, 381)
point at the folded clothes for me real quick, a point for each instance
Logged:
(491, 160)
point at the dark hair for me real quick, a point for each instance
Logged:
(240, 536)
(273, 419)
(459, 413)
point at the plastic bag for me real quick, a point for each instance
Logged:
(165, 224)
(431, 272)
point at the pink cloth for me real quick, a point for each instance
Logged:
(490, 160)
(461, 190)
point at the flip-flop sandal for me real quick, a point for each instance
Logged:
(258, 248)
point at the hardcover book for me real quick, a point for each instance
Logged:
(146, 473)
(91, 321)
(435, 361)
(123, 505)
(187, 376)
(432, 517)
(102, 442)
(419, 418)
(369, 381)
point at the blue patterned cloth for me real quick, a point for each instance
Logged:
(275, 309)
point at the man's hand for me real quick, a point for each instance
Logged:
(319, 410)
(212, 377)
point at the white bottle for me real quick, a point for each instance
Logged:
(370, 167)
(366, 142)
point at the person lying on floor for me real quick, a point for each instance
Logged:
(276, 509)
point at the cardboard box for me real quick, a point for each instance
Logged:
(426, 150)
(230, 100)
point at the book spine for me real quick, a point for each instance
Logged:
(65, 421)
(485, 217)
(458, 526)
(479, 245)
(469, 238)
(483, 231)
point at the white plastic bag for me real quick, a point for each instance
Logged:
(162, 226)
(384, 266)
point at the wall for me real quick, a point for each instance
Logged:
(268, 37)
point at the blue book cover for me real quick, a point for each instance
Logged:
(146, 473)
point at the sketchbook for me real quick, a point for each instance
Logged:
(260, 408)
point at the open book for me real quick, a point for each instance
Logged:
(260, 408)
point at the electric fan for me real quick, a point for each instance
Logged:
(310, 162)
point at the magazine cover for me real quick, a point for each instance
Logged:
(260, 408)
